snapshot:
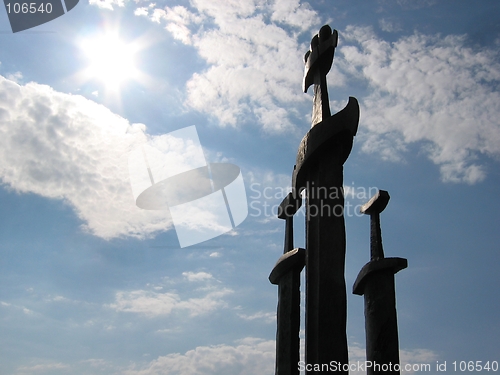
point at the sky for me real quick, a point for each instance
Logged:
(90, 283)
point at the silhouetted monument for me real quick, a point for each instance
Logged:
(319, 173)
(286, 274)
(376, 282)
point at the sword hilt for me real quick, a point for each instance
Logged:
(288, 207)
(374, 207)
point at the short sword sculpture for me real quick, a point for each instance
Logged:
(286, 274)
(376, 282)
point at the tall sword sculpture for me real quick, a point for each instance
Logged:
(376, 282)
(319, 170)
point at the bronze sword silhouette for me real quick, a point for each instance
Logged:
(376, 282)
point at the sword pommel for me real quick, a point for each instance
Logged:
(319, 58)
(376, 204)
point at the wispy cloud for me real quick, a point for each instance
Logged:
(389, 26)
(107, 4)
(267, 317)
(414, 4)
(16, 77)
(152, 303)
(18, 308)
(43, 368)
(88, 366)
(411, 360)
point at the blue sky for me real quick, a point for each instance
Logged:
(91, 284)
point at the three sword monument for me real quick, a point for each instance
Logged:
(318, 172)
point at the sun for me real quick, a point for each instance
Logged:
(110, 60)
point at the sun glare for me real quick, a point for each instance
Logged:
(110, 60)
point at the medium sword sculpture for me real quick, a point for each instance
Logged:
(376, 282)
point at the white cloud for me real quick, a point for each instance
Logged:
(154, 303)
(178, 19)
(429, 89)
(146, 302)
(267, 317)
(255, 65)
(142, 11)
(107, 4)
(197, 276)
(66, 147)
(248, 357)
(291, 12)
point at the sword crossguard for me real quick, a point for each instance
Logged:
(289, 206)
